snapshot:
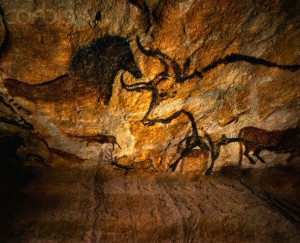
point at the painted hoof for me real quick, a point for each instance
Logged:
(208, 172)
(173, 167)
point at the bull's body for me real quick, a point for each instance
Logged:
(96, 65)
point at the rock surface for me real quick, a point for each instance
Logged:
(226, 66)
(99, 206)
(149, 87)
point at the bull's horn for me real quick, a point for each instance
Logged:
(137, 86)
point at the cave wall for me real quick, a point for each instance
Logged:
(149, 85)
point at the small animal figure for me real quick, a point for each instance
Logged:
(99, 138)
(256, 139)
(114, 161)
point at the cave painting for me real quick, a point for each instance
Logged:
(173, 74)
(100, 62)
(92, 67)
(96, 66)
(256, 140)
(98, 138)
(89, 63)
(144, 165)
(10, 113)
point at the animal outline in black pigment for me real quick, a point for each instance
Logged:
(98, 64)
(180, 75)
(90, 71)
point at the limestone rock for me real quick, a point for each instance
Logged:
(140, 87)
(195, 66)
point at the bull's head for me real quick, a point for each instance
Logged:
(163, 86)
(100, 62)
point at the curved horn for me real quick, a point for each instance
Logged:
(137, 86)
(150, 85)
(165, 60)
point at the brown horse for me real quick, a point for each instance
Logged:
(256, 139)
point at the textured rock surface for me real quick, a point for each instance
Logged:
(219, 92)
(151, 86)
(236, 206)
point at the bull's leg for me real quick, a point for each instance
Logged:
(215, 152)
(209, 171)
(185, 152)
(107, 96)
(174, 165)
(256, 154)
(246, 153)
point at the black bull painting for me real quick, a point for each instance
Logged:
(96, 65)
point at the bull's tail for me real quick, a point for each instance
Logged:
(241, 148)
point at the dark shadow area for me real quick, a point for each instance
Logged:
(5, 41)
(278, 186)
(13, 177)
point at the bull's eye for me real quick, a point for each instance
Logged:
(164, 94)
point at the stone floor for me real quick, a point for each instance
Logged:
(104, 205)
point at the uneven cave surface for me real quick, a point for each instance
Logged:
(100, 206)
(149, 121)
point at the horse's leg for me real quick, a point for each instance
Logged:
(246, 153)
(256, 154)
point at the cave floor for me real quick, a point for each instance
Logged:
(104, 205)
